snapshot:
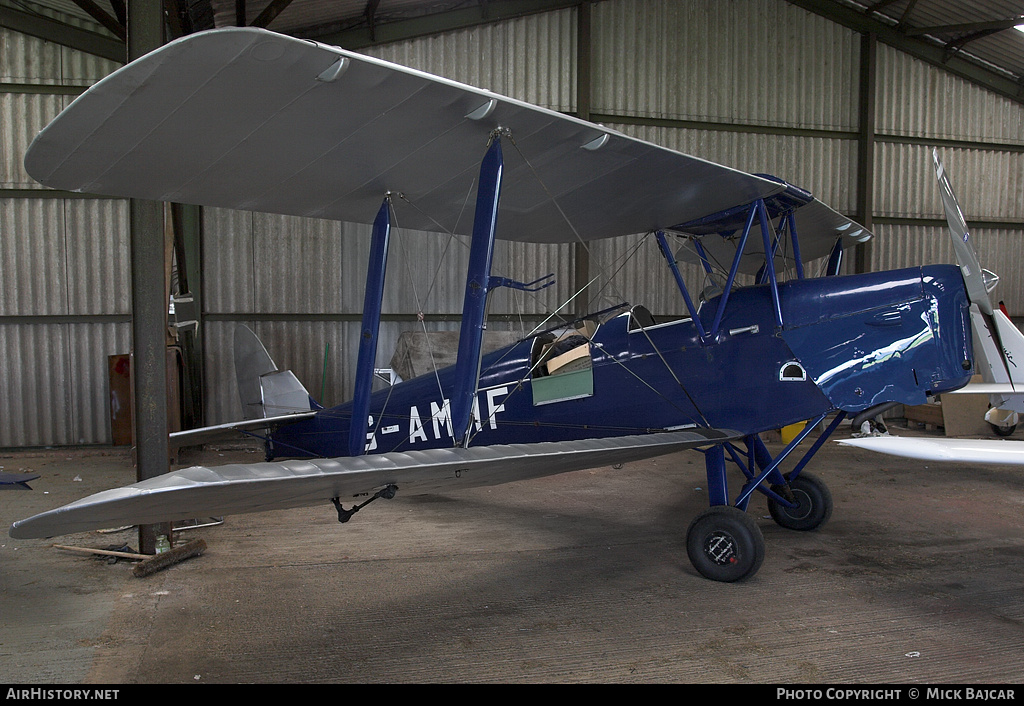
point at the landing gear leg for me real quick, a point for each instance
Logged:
(344, 515)
(724, 543)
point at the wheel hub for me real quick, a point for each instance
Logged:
(803, 508)
(720, 547)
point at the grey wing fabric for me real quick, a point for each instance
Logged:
(240, 488)
(248, 119)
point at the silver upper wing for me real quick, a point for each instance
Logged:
(248, 119)
(241, 488)
(819, 227)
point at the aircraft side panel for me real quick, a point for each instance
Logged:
(749, 378)
(637, 382)
(898, 336)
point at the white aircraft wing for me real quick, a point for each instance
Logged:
(241, 488)
(248, 119)
(986, 451)
(987, 388)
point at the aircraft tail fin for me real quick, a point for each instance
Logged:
(264, 390)
(999, 348)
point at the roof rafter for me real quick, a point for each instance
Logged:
(969, 27)
(919, 47)
(97, 13)
(60, 33)
(881, 5)
(467, 16)
(906, 13)
(270, 12)
(958, 44)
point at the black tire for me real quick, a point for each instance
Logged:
(814, 504)
(1002, 431)
(725, 544)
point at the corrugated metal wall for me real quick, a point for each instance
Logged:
(759, 85)
(64, 301)
(980, 139)
(741, 63)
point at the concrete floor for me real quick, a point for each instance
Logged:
(577, 578)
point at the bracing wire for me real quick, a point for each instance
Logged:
(609, 283)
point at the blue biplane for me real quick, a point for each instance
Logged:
(294, 127)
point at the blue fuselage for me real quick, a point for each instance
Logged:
(847, 343)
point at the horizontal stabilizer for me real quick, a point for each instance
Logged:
(239, 488)
(16, 481)
(984, 451)
(230, 430)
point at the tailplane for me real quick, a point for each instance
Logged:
(270, 397)
(264, 390)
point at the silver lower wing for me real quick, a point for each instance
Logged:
(253, 487)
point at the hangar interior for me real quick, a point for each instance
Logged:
(845, 99)
(580, 577)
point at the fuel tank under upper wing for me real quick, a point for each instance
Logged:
(240, 488)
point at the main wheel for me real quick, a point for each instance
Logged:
(725, 544)
(1002, 431)
(814, 504)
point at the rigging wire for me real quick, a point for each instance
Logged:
(609, 283)
(420, 303)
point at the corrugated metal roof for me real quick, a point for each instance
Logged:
(982, 29)
(962, 27)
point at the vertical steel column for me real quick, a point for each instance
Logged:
(866, 146)
(149, 303)
(580, 251)
(372, 304)
(474, 307)
(189, 221)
